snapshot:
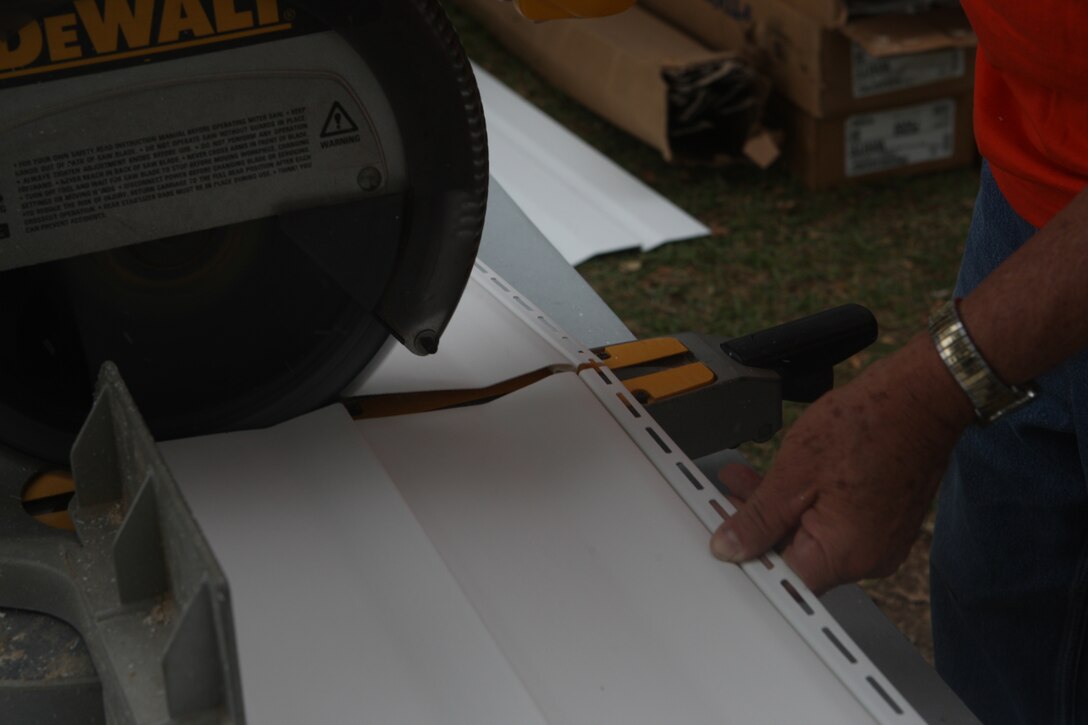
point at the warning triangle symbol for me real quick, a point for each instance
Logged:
(338, 123)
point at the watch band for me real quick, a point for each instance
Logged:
(989, 395)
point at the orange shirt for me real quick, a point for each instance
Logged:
(1031, 100)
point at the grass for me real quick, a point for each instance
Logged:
(777, 251)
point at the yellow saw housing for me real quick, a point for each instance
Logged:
(564, 9)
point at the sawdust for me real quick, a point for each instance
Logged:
(35, 647)
(65, 665)
(116, 515)
(11, 657)
(161, 613)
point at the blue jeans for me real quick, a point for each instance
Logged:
(1009, 566)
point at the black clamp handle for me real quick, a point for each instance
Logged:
(805, 351)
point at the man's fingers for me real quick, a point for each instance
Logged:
(810, 560)
(759, 523)
(741, 480)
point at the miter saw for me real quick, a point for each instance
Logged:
(232, 205)
(236, 202)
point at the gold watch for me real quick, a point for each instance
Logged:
(989, 395)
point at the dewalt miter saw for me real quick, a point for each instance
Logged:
(228, 207)
(236, 202)
(232, 205)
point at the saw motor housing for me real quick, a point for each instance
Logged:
(235, 202)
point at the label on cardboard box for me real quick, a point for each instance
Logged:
(900, 137)
(873, 76)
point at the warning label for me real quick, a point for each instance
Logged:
(154, 160)
(80, 186)
(338, 122)
(339, 129)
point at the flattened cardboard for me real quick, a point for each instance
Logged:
(614, 66)
(829, 13)
(719, 24)
(812, 65)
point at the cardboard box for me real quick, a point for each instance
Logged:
(631, 68)
(934, 134)
(864, 64)
(835, 13)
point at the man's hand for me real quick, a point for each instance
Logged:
(857, 472)
(855, 475)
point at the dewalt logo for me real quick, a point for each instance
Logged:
(103, 31)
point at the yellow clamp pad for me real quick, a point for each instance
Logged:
(683, 378)
(48, 485)
(667, 383)
(564, 9)
(642, 352)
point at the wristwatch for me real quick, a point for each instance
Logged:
(989, 395)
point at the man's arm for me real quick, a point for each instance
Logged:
(857, 472)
